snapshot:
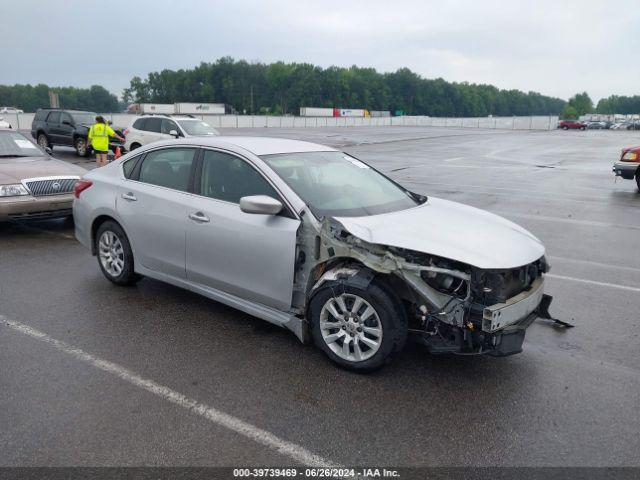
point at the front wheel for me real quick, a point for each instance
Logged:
(638, 178)
(81, 147)
(115, 256)
(356, 328)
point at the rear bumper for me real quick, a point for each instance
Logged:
(626, 170)
(35, 208)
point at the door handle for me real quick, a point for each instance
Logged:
(199, 217)
(129, 196)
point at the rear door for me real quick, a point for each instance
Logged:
(153, 206)
(53, 127)
(247, 255)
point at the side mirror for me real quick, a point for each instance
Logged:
(260, 204)
(174, 133)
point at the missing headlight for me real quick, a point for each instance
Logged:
(444, 283)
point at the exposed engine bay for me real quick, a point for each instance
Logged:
(451, 307)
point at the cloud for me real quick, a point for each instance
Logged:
(556, 48)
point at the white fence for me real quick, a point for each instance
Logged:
(23, 121)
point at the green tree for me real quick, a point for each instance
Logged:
(582, 103)
(569, 113)
(282, 88)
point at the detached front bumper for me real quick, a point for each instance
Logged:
(626, 170)
(497, 330)
(35, 208)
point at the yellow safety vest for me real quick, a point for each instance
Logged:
(99, 134)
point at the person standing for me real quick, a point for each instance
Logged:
(98, 138)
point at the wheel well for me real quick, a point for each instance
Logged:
(96, 225)
(135, 145)
(394, 286)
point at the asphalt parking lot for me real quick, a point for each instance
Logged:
(570, 399)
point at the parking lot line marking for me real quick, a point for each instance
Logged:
(263, 437)
(577, 221)
(595, 264)
(593, 282)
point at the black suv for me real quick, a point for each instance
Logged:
(55, 126)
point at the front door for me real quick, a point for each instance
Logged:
(153, 206)
(247, 255)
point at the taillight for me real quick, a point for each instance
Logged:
(81, 186)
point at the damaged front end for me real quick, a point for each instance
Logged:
(452, 307)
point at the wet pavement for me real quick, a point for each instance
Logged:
(571, 398)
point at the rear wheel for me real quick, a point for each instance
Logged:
(43, 141)
(115, 256)
(356, 328)
(80, 145)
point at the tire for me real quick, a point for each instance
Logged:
(80, 144)
(134, 146)
(638, 178)
(565, 128)
(377, 336)
(112, 243)
(582, 128)
(43, 141)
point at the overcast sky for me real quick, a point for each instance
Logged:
(556, 47)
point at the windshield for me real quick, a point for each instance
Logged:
(84, 118)
(14, 144)
(197, 127)
(336, 184)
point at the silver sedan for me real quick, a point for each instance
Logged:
(317, 241)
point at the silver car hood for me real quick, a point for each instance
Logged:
(450, 230)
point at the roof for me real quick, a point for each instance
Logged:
(264, 145)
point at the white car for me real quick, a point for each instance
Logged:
(10, 110)
(151, 128)
(316, 241)
(4, 123)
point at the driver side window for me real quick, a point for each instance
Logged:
(168, 125)
(229, 178)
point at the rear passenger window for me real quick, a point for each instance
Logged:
(169, 167)
(229, 178)
(54, 117)
(129, 165)
(140, 124)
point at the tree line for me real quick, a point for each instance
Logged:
(29, 98)
(619, 104)
(282, 88)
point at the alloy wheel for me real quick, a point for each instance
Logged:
(351, 327)
(111, 253)
(42, 141)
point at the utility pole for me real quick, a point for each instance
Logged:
(251, 99)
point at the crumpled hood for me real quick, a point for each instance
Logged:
(450, 230)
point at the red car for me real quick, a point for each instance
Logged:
(572, 125)
(628, 166)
